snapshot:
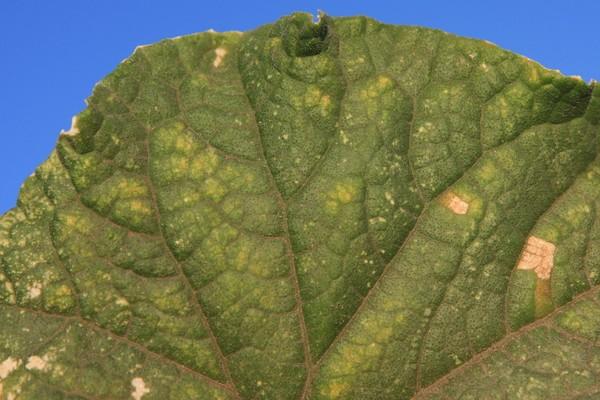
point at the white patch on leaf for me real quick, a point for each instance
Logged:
(220, 53)
(538, 256)
(7, 366)
(139, 388)
(34, 290)
(74, 130)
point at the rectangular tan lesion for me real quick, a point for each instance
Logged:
(538, 256)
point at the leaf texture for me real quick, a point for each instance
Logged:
(333, 210)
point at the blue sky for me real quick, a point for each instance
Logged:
(53, 52)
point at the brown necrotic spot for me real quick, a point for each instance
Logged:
(538, 256)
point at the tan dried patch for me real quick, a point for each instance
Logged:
(220, 53)
(34, 290)
(7, 366)
(455, 204)
(36, 362)
(538, 256)
(139, 388)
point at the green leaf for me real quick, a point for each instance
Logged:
(342, 209)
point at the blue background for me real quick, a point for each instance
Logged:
(52, 52)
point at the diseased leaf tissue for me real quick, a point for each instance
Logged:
(332, 210)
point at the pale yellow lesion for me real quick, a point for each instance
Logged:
(132, 188)
(383, 334)
(140, 207)
(205, 163)
(376, 87)
(230, 172)
(166, 136)
(335, 389)
(353, 358)
(343, 193)
(242, 257)
(177, 166)
(184, 144)
(213, 189)
(312, 96)
(75, 221)
(60, 297)
(487, 170)
(325, 104)
(533, 72)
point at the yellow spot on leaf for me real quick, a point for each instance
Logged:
(214, 189)
(184, 144)
(139, 207)
(375, 88)
(313, 96)
(242, 256)
(325, 103)
(487, 171)
(383, 335)
(335, 389)
(205, 163)
(71, 220)
(346, 192)
(383, 82)
(132, 188)
(533, 72)
(343, 193)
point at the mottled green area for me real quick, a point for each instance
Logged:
(310, 210)
(555, 357)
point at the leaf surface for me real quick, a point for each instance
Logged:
(342, 209)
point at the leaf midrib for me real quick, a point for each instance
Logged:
(308, 363)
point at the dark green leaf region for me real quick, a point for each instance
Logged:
(339, 209)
